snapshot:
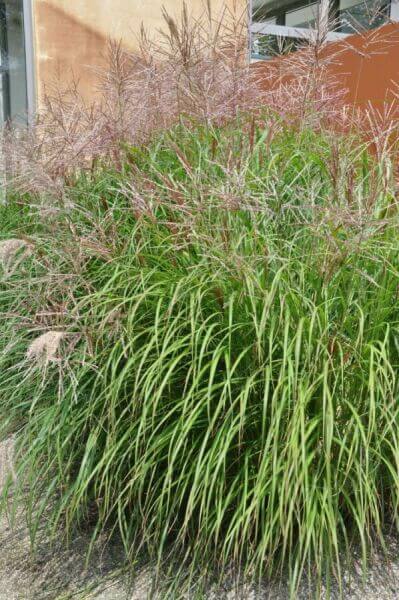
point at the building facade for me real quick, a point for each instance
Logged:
(42, 40)
(278, 25)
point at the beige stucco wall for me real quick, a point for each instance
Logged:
(71, 35)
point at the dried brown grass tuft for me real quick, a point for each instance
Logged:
(9, 248)
(46, 348)
(12, 252)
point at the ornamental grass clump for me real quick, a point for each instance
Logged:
(231, 399)
(218, 320)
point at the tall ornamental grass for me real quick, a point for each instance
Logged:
(213, 373)
(199, 346)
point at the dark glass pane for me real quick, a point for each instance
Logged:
(302, 13)
(13, 60)
(366, 14)
(304, 16)
(265, 9)
(269, 46)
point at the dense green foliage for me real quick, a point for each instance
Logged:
(224, 390)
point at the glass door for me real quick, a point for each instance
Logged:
(13, 85)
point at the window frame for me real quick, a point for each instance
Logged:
(29, 38)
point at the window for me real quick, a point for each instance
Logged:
(13, 82)
(281, 24)
(304, 16)
(353, 14)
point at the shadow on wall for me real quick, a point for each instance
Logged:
(72, 36)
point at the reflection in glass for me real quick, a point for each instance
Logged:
(349, 16)
(355, 15)
(13, 94)
(306, 16)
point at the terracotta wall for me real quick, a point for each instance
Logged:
(71, 35)
(368, 67)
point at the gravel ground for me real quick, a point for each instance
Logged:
(55, 573)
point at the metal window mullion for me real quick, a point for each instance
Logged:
(4, 70)
(250, 35)
(29, 57)
(291, 32)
